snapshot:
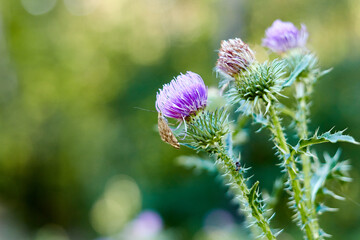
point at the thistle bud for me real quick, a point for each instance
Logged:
(234, 57)
(259, 84)
(207, 130)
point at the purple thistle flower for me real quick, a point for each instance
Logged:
(147, 225)
(234, 56)
(283, 36)
(183, 96)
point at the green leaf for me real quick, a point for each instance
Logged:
(258, 118)
(197, 163)
(322, 208)
(278, 188)
(228, 144)
(318, 179)
(303, 64)
(325, 137)
(287, 111)
(322, 73)
(332, 194)
(253, 196)
(331, 169)
(188, 145)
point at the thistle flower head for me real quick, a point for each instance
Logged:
(259, 84)
(284, 36)
(234, 56)
(184, 96)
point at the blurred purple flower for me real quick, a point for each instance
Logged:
(183, 96)
(234, 56)
(283, 36)
(218, 218)
(147, 225)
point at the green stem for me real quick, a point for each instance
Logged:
(292, 171)
(302, 131)
(238, 184)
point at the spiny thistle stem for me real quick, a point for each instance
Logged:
(302, 92)
(236, 180)
(302, 131)
(292, 171)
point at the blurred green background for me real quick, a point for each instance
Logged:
(79, 161)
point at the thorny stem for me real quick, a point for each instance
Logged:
(238, 184)
(302, 92)
(292, 171)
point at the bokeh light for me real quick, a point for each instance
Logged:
(38, 7)
(51, 232)
(120, 202)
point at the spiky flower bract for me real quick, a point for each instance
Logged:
(184, 96)
(284, 36)
(234, 56)
(259, 84)
(207, 129)
(306, 62)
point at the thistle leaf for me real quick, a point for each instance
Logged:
(322, 73)
(228, 144)
(331, 193)
(278, 187)
(252, 195)
(322, 208)
(332, 168)
(325, 137)
(258, 118)
(287, 111)
(302, 65)
(188, 145)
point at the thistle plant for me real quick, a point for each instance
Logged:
(206, 131)
(285, 39)
(255, 89)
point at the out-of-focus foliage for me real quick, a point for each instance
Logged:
(79, 161)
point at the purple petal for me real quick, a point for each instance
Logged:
(284, 36)
(183, 96)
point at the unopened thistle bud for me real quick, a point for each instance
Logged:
(258, 85)
(234, 57)
(284, 36)
(207, 130)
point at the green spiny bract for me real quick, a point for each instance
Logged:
(207, 129)
(302, 67)
(294, 58)
(259, 84)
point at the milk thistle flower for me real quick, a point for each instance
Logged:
(184, 96)
(284, 36)
(234, 57)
